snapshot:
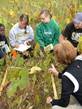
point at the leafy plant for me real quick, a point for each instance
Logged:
(19, 80)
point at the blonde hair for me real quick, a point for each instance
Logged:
(65, 52)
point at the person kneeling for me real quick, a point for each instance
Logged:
(71, 76)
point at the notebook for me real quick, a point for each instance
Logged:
(22, 47)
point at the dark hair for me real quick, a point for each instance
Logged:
(2, 25)
(24, 17)
(46, 12)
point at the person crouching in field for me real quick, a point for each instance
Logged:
(21, 36)
(71, 76)
(47, 31)
(21, 32)
(73, 30)
(3, 41)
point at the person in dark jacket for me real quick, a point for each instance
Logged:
(71, 76)
(3, 40)
(73, 30)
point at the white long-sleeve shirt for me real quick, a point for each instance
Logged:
(18, 35)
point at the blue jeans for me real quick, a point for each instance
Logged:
(2, 52)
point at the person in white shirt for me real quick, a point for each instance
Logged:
(21, 32)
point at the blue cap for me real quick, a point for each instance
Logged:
(78, 18)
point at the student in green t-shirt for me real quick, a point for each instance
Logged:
(47, 31)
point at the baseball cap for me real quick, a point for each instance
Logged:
(78, 18)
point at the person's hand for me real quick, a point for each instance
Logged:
(48, 48)
(16, 46)
(53, 70)
(28, 42)
(48, 100)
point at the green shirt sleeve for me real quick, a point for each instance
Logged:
(39, 37)
(57, 34)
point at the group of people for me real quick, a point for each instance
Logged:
(49, 36)
(47, 32)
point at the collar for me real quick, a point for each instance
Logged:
(79, 57)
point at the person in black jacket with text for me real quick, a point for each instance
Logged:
(73, 30)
